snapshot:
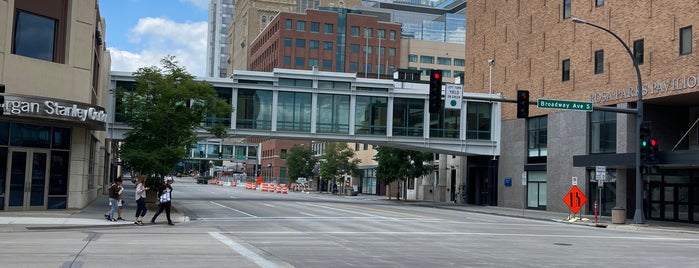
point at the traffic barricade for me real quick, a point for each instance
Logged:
(279, 188)
(271, 188)
(285, 189)
(263, 187)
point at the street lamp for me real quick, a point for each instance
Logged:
(638, 214)
(491, 62)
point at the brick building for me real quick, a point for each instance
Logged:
(536, 46)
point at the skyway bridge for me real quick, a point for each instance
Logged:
(329, 106)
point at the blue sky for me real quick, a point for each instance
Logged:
(141, 32)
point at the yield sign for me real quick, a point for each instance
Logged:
(574, 199)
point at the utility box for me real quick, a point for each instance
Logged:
(618, 215)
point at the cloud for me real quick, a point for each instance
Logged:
(155, 38)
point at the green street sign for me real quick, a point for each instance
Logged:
(564, 105)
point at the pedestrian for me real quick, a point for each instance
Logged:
(141, 207)
(165, 194)
(114, 191)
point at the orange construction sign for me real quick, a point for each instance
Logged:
(574, 199)
(259, 180)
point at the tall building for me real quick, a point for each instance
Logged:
(221, 13)
(53, 86)
(537, 46)
(252, 16)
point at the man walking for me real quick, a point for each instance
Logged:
(165, 194)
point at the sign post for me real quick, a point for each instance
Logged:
(524, 191)
(574, 199)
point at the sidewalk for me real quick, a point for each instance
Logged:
(92, 215)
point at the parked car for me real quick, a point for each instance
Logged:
(202, 180)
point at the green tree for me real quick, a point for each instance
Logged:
(300, 162)
(399, 164)
(164, 111)
(337, 161)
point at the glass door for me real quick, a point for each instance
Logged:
(28, 175)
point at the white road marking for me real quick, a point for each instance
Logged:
(345, 210)
(257, 259)
(308, 214)
(241, 212)
(268, 205)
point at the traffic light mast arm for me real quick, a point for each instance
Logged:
(595, 108)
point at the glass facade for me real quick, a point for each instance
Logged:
(333, 113)
(294, 111)
(408, 117)
(254, 109)
(370, 115)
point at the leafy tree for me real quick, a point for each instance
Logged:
(338, 161)
(399, 164)
(300, 161)
(165, 110)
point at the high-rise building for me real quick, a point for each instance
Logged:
(54, 73)
(221, 13)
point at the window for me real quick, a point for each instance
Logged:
(412, 58)
(443, 61)
(300, 25)
(36, 37)
(446, 73)
(315, 27)
(599, 3)
(566, 9)
(565, 70)
(282, 154)
(381, 33)
(391, 51)
(287, 60)
(478, 119)
(599, 61)
(327, 65)
(427, 59)
(367, 49)
(312, 62)
(288, 24)
(368, 32)
(300, 42)
(602, 132)
(354, 66)
(300, 61)
(392, 35)
(367, 67)
(381, 51)
(354, 48)
(354, 31)
(264, 20)
(459, 62)
(287, 42)
(536, 189)
(686, 40)
(537, 136)
(314, 44)
(327, 45)
(328, 28)
(638, 51)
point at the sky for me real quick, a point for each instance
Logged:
(139, 33)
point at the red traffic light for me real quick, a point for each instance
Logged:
(436, 75)
(653, 142)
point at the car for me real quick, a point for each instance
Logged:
(202, 180)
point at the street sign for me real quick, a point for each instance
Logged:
(564, 105)
(600, 173)
(453, 96)
(574, 199)
(524, 178)
(575, 180)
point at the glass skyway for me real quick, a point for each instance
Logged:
(328, 106)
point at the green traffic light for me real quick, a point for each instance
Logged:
(644, 143)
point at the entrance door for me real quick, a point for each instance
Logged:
(27, 178)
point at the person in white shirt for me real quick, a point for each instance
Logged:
(165, 195)
(141, 207)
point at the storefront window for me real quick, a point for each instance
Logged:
(536, 189)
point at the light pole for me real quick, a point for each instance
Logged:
(638, 216)
(491, 62)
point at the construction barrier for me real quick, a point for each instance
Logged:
(254, 186)
(271, 188)
(263, 187)
(279, 188)
(285, 189)
(233, 183)
(247, 185)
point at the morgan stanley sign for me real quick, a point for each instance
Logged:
(74, 113)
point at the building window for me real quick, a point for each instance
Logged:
(392, 35)
(459, 62)
(602, 132)
(367, 67)
(427, 59)
(315, 27)
(536, 189)
(300, 61)
(367, 49)
(686, 40)
(314, 44)
(446, 73)
(381, 51)
(459, 74)
(287, 60)
(282, 154)
(354, 66)
(412, 58)
(354, 48)
(443, 61)
(354, 31)
(478, 120)
(537, 136)
(381, 33)
(288, 24)
(35, 36)
(565, 70)
(301, 43)
(599, 61)
(638, 51)
(368, 32)
(328, 28)
(327, 65)
(264, 20)
(599, 3)
(566, 9)
(312, 62)
(300, 25)
(391, 51)
(287, 42)
(327, 45)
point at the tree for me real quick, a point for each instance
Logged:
(164, 111)
(300, 161)
(338, 161)
(399, 164)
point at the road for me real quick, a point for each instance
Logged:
(234, 227)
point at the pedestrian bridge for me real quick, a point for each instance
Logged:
(329, 106)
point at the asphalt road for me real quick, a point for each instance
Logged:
(234, 227)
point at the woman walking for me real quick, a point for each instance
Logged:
(141, 207)
(165, 201)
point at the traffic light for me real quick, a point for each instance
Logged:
(220, 155)
(645, 139)
(522, 103)
(201, 154)
(435, 104)
(2, 99)
(652, 151)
